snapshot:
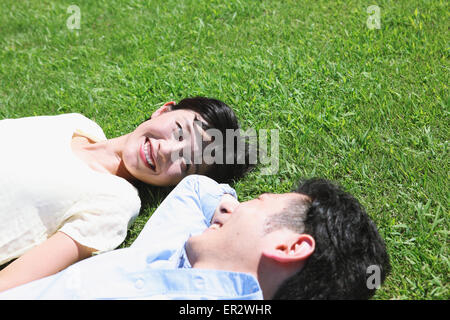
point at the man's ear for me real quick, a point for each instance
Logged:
(165, 108)
(295, 249)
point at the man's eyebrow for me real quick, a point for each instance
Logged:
(262, 194)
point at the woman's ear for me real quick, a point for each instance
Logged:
(165, 108)
(295, 249)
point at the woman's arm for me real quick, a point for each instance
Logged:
(56, 253)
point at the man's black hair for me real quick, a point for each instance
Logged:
(347, 244)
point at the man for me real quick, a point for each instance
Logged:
(314, 243)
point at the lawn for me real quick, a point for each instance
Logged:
(368, 108)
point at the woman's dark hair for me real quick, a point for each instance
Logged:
(347, 244)
(220, 116)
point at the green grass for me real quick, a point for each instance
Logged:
(367, 108)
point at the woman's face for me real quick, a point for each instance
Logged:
(152, 151)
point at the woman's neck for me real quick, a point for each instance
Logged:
(103, 156)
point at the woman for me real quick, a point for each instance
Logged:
(66, 191)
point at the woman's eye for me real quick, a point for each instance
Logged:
(180, 132)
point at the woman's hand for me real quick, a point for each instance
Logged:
(55, 254)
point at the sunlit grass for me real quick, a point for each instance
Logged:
(367, 108)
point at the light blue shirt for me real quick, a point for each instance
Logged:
(155, 266)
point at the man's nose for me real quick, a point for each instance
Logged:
(226, 208)
(227, 204)
(264, 196)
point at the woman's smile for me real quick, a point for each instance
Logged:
(147, 154)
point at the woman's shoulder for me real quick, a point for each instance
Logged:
(77, 118)
(48, 119)
(85, 126)
(74, 122)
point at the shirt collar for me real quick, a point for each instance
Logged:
(232, 284)
(183, 261)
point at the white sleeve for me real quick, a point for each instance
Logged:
(101, 221)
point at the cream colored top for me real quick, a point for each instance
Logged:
(45, 188)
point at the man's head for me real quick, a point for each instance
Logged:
(314, 243)
(154, 150)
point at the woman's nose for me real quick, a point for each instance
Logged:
(172, 150)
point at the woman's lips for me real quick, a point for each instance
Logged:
(145, 153)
